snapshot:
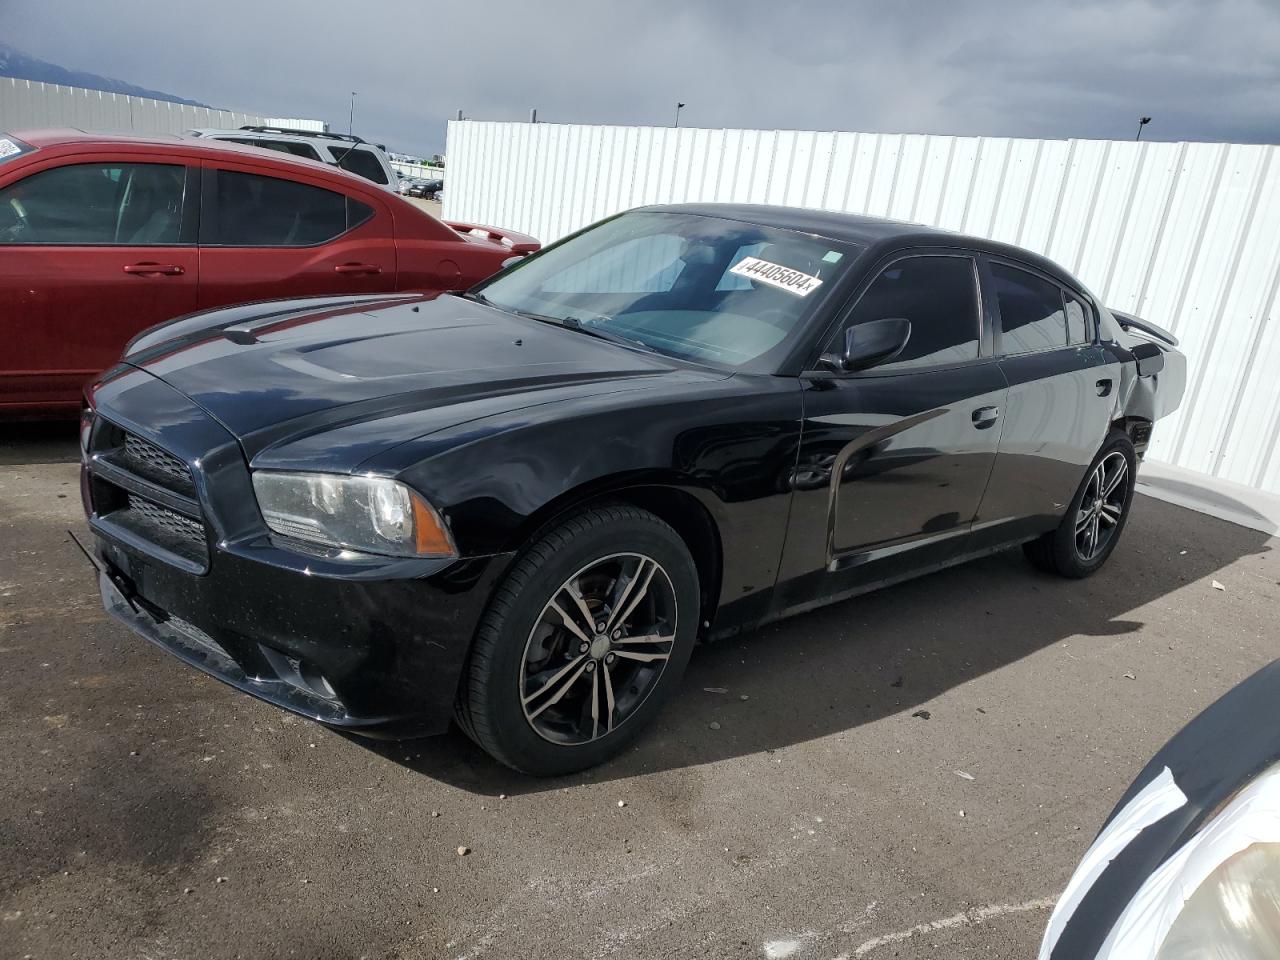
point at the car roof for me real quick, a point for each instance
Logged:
(300, 137)
(877, 232)
(66, 136)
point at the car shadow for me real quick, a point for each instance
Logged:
(39, 441)
(875, 656)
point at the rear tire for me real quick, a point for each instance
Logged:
(583, 642)
(1091, 527)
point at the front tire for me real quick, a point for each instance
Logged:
(1091, 527)
(583, 642)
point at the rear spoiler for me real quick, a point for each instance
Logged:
(518, 242)
(1129, 322)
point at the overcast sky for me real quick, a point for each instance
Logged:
(1203, 69)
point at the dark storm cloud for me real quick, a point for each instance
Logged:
(1205, 70)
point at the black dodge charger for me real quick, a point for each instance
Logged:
(520, 505)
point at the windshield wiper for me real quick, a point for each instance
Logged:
(577, 326)
(573, 323)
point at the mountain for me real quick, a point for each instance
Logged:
(15, 63)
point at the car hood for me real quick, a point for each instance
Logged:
(317, 375)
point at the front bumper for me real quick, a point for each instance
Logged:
(380, 657)
(373, 645)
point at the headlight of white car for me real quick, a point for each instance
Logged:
(1216, 898)
(1234, 914)
(365, 514)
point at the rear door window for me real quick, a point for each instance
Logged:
(361, 162)
(252, 210)
(1031, 311)
(118, 204)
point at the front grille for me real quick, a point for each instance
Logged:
(144, 490)
(168, 522)
(164, 468)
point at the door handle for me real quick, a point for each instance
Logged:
(154, 269)
(1104, 387)
(366, 268)
(984, 417)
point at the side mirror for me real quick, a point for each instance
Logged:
(869, 344)
(1150, 359)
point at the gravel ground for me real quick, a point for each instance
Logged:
(151, 812)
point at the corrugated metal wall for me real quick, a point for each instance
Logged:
(1185, 234)
(27, 104)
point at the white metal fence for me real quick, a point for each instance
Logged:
(29, 104)
(1185, 234)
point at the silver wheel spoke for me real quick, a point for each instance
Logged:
(1082, 521)
(608, 700)
(568, 622)
(1116, 478)
(1093, 537)
(1111, 514)
(647, 638)
(1096, 481)
(632, 594)
(575, 591)
(595, 704)
(579, 663)
(642, 657)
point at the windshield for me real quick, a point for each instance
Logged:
(701, 288)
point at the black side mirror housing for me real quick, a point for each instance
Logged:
(1150, 358)
(869, 344)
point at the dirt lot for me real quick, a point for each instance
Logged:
(151, 812)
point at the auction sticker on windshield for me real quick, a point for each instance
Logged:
(776, 275)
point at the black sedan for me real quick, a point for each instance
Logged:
(523, 504)
(426, 189)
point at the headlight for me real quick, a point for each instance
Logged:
(366, 514)
(1195, 906)
(1235, 912)
(1216, 898)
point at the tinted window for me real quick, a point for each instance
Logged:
(1031, 311)
(1077, 324)
(293, 149)
(258, 211)
(95, 203)
(362, 162)
(940, 298)
(280, 146)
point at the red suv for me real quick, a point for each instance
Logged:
(103, 236)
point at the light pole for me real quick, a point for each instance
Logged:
(351, 114)
(679, 107)
(1142, 122)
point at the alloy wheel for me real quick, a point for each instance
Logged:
(1102, 505)
(598, 648)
